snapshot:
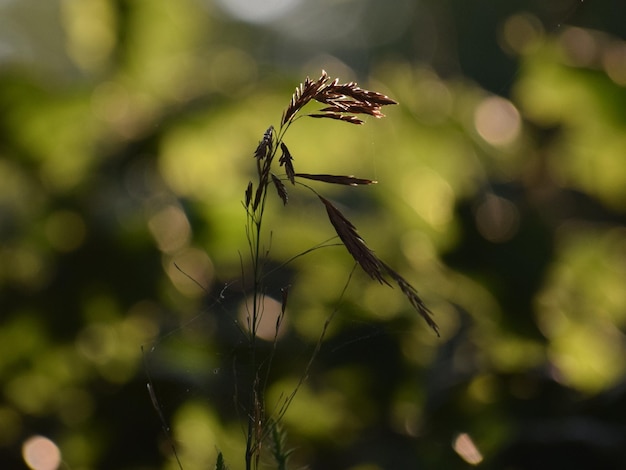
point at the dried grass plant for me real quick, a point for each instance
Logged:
(345, 102)
(276, 174)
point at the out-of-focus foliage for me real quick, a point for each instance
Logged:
(126, 138)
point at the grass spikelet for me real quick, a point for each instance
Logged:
(280, 189)
(219, 464)
(286, 160)
(265, 145)
(411, 293)
(339, 117)
(248, 194)
(373, 265)
(354, 243)
(303, 94)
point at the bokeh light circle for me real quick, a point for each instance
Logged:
(40, 453)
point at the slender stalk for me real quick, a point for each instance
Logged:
(256, 399)
(344, 102)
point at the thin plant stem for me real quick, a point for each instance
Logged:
(343, 102)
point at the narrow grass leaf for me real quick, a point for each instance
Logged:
(336, 179)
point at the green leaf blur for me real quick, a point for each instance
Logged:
(127, 132)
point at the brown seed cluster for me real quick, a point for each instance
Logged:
(343, 102)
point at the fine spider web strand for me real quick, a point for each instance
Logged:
(221, 295)
(357, 339)
(216, 301)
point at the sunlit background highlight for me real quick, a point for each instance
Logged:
(127, 131)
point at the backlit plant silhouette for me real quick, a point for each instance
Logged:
(343, 102)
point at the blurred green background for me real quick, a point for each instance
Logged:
(126, 137)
